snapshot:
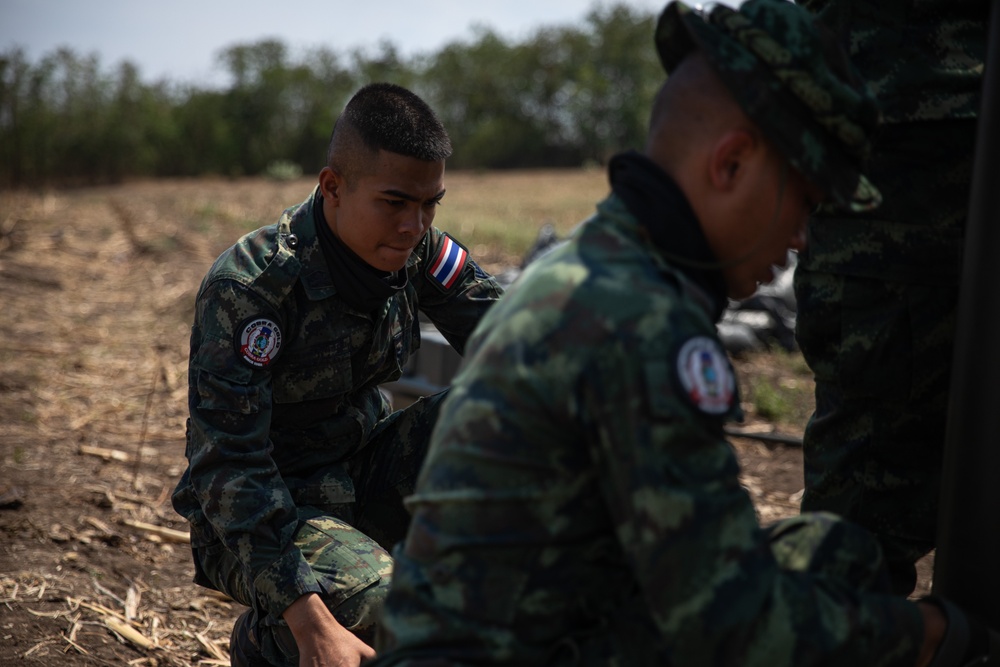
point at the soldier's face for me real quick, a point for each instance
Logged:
(382, 215)
(772, 221)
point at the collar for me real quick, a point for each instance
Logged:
(358, 283)
(660, 207)
(300, 222)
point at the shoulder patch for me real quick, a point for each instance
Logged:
(705, 375)
(448, 262)
(258, 341)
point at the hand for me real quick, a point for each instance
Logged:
(935, 626)
(955, 638)
(322, 641)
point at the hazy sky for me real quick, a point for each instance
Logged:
(179, 39)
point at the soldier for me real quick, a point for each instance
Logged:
(297, 467)
(877, 291)
(579, 504)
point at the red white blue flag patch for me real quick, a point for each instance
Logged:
(448, 264)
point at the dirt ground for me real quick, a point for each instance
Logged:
(97, 287)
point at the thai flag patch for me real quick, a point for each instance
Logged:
(448, 263)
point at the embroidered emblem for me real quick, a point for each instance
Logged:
(448, 264)
(706, 376)
(258, 341)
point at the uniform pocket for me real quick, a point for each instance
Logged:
(344, 560)
(312, 374)
(216, 393)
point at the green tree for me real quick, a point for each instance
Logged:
(15, 73)
(478, 89)
(616, 77)
(253, 105)
(320, 87)
(197, 140)
(563, 96)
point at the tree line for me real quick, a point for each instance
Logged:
(564, 96)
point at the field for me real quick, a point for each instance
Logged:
(97, 286)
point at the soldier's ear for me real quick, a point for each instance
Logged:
(729, 159)
(331, 185)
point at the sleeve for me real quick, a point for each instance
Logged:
(454, 291)
(235, 339)
(690, 534)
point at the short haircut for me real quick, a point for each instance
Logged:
(386, 117)
(693, 105)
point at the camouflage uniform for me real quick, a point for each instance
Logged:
(297, 468)
(877, 291)
(579, 503)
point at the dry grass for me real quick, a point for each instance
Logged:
(498, 214)
(98, 287)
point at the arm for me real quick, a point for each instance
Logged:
(454, 309)
(691, 536)
(232, 473)
(955, 638)
(935, 626)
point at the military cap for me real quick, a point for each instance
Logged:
(792, 80)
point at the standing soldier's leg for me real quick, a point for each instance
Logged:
(877, 300)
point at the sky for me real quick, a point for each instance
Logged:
(179, 40)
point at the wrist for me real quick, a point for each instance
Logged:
(966, 640)
(935, 628)
(306, 613)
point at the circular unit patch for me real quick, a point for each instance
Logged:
(706, 376)
(258, 341)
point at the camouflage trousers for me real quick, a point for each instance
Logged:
(877, 298)
(348, 549)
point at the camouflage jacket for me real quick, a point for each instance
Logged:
(923, 59)
(283, 388)
(579, 489)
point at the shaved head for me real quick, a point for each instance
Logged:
(691, 109)
(752, 205)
